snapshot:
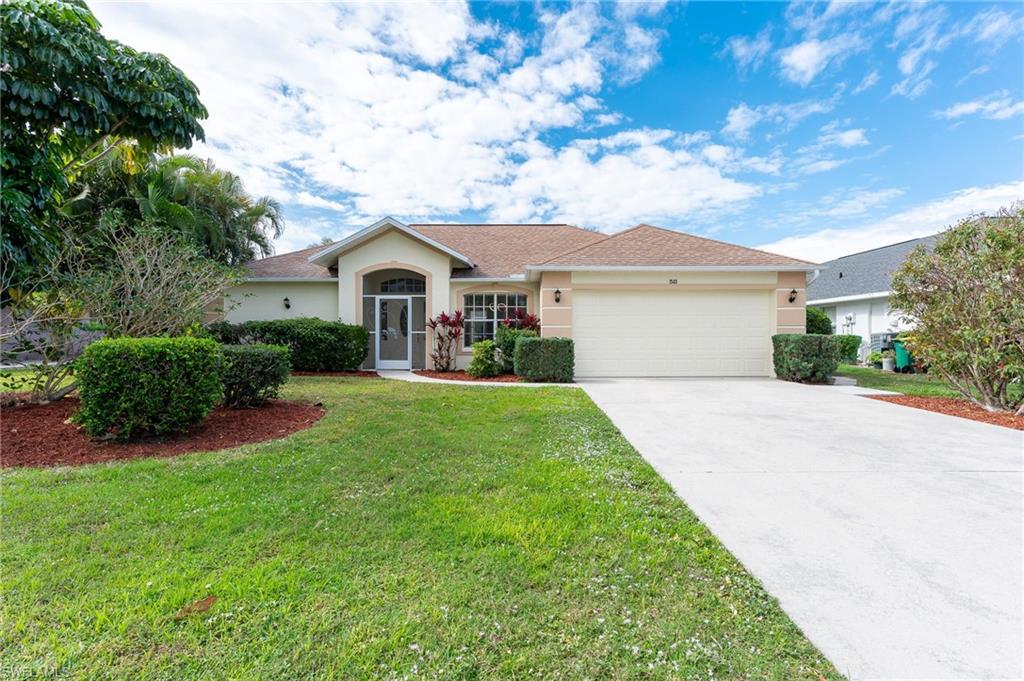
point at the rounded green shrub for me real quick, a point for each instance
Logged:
(139, 387)
(849, 347)
(549, 360)
(253, 374)
(805, 357)
(818, 321)
(505, 340)
(484, 364)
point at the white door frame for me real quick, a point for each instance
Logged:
(394, 363)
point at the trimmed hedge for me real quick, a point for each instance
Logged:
(315, 344)
(818, 321)
(549, 360)
(253, 373)
(138, 387)
(484, 364)
(805, 357)
(849, 347)
(505, 340)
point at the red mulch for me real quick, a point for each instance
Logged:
(954, 407)
(355, 374)
(463, 376)
(39, 435)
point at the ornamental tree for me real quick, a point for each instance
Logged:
(66, 91)
(966, 302)
(447, 329)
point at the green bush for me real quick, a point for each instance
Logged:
(818, 321)
(226, 332)
(550, 360)
(484, 364)
(137, 387)
(849, 346)
(805, 357)
(505, 340)
(253, 373)
(315, 344)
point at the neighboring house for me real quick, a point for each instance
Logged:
(854, 291)
(643, 302)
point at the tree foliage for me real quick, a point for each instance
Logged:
(65, 91)
(818, 321)
(966, 302)
(153, 284)
(188, 196)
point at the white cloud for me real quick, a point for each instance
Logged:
(419, 110)
(802, 62)
(996, 106)
(993, 28)
(981, 70)
(922, 220)
(832, 135)
(749, 53)
(742, 118)
(869, 82)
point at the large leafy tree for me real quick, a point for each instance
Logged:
(66, 91)
(966, 301)
(184, 194)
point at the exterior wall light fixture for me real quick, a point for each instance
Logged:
(558, 295)
(287, 303)
(792, 296)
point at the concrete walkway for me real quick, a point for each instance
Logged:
(416, 378)
(892, 536)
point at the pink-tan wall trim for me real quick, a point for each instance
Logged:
(791, 317)
(556, 317)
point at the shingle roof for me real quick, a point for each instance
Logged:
(645, 245)
(500, 251)
(289, 265)
(505, 250)
(865, 272)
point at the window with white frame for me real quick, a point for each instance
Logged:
(484, 311)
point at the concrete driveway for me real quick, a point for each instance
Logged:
(892, 536)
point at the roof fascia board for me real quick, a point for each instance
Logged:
(850, 299)
(673, 268)
(324, 257)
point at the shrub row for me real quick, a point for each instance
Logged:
(315, 344)
(849, 347)
(505, 340)
(549, 360)
(805, 357)
(145, 387)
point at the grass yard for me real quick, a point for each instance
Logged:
(416, 530)
(923, 385)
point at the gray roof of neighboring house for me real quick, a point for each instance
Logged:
(865, 272)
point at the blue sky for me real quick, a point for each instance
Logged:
(814, 129)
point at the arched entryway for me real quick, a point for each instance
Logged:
(394, 313)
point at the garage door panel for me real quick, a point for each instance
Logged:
(668, 333)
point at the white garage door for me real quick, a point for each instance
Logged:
(672, 333)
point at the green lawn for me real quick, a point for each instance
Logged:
(450, 532)
(924, 385)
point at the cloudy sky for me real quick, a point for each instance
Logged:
(814, 130)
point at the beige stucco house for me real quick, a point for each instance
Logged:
(642, 302)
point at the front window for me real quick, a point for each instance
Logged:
(484, 311)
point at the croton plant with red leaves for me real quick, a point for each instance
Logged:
(522, 320)
(447, 330)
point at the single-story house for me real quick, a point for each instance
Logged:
(854, 291)
(643, 302)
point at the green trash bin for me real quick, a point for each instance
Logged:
(904, 360)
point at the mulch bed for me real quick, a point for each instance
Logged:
(954, 407)
(39, 435)
(463, 376)
(353, 374)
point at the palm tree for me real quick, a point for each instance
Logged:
(185, 194)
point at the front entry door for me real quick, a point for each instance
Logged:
(394, 342)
